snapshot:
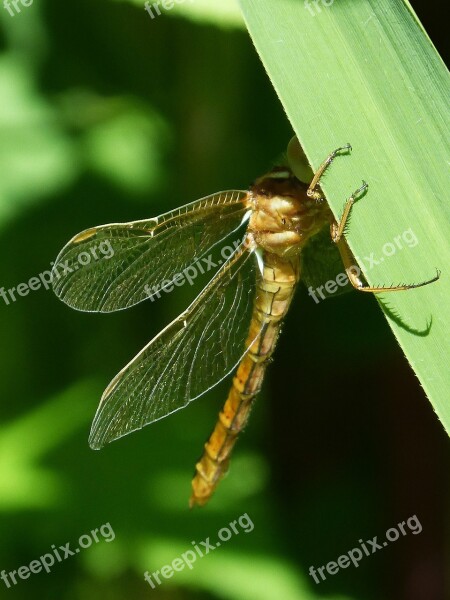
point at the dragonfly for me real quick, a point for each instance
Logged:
(233, 324)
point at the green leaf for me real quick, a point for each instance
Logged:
(366, 73)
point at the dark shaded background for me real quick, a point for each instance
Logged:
(109, 116)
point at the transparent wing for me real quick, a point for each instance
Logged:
(188, 357)
(115, 266)
(321, 262)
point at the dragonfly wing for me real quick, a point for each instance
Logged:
(192, 354)
(115, 266)
(321, 263)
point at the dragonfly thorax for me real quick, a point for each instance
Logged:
(283, 217)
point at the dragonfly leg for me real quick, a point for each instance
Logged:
(312, 191)
(337, 229)
(353, 272)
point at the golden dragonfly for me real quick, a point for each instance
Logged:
(234, 322)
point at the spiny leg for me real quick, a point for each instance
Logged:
(337, 231)
(350, 268)
(312, 191)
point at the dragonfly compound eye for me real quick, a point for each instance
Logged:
(298, 162)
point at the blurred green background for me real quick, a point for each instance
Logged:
(108, 115)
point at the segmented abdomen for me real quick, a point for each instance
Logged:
(275, 292)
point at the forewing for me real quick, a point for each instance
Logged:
(321, 263)
(115, 266)
(185, 359)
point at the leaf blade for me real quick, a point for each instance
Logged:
(367, 73)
